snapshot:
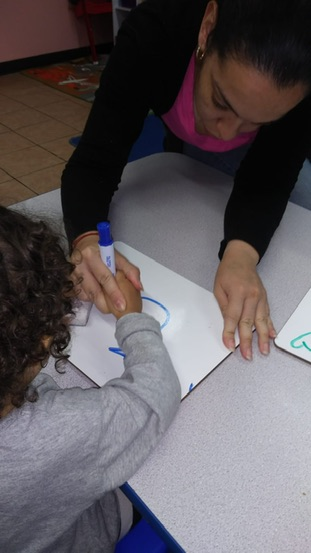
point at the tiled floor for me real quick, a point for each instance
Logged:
(36, 123)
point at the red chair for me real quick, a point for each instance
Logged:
(85, 8)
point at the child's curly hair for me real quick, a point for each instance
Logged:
(36, 295)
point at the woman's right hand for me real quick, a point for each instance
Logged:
(95, 282)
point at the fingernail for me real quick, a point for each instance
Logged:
(265, 349)
(248, 355)
(231, 346)
(120, 305)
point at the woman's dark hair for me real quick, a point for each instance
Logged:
(36, 295)
(274, 36)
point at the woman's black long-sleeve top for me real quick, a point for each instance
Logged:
(145, 71)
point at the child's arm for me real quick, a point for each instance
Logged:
(139, 406)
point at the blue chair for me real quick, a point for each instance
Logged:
(149, 142)
(141, 539)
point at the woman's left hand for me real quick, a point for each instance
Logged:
(242, 299)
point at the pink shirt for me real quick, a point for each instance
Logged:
(180, 120)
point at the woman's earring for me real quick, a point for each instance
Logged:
(199, 54)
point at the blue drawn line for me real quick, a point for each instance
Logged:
(302, 343)
(118, 351)
(166, 311)
(191, 387)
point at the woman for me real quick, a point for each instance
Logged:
(228, 78)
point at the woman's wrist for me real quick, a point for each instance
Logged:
(84, 235)
(239, 247)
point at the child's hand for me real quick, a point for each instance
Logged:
(132, 297)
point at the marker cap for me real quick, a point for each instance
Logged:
(104, 232)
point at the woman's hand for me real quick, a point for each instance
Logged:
(95, 282)
(242, 299)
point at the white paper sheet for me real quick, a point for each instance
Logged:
(295, 336)
(191, 324)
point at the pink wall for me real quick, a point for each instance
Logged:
(35, 27)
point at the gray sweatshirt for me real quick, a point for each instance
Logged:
(62, 457)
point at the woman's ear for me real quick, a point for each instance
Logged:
(208, 23)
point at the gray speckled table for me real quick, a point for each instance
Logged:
(233, 473)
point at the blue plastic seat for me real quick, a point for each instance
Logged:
(141, 539)
(149, 142)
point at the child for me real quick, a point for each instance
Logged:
(64, 452)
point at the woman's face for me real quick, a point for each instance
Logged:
(231, 98)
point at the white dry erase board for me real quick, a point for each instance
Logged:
(189, 316)
(295, 336)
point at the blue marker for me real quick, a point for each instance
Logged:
(106, 248)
